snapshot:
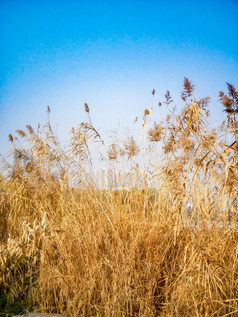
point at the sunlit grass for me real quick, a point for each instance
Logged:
(167, 245)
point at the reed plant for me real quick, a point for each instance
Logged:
(164, 244)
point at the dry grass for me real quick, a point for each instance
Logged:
(170, 249)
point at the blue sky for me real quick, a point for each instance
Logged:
(110, 54)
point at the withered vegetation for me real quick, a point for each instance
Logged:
(164, 245)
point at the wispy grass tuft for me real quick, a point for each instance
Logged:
(163, 243)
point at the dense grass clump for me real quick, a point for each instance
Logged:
(164, 243)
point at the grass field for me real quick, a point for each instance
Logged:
(167, 245)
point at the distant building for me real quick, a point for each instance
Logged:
(109, 179)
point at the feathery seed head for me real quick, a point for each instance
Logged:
(86, 107)
(10, 137)
(146, 112)
(112, 152)
(155, 134)
(188, 89)
(30, 129)
(168, 98)
(21, 133)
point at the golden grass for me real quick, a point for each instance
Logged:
(167, 250)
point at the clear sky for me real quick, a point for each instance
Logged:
(110, 54)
